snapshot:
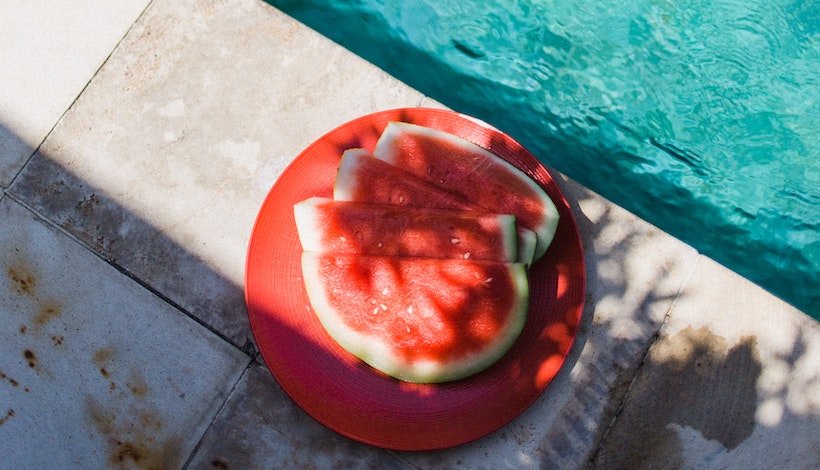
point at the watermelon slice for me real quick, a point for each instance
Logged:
(326, 225)
(362, 177)
(418, 320)
(468, 170)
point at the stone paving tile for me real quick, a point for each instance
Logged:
(732, 382)
(95, 371)
(261, 427)
(163, 162)
(49, 52)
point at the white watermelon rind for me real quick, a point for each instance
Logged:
(308, 228)
(346, 175)
(378, 355)
(545, 231)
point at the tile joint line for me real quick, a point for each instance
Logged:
(71, 105)
(249, 348)
(644, 354)
(216, 415)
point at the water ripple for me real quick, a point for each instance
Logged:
(709, 106)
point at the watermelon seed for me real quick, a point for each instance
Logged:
(410, 309)
(383, 306)
(375, 310)
(467, 255)
(488, 280)
(385, 291)
(454, 241)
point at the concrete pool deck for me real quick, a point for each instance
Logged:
(137, 142)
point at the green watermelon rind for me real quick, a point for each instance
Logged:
(498, 228)
(378, 355)
(527, 241)
(545, 231)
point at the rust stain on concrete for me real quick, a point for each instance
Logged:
(103, 356)
(137, 384)
(23, 281)
(31, 358)
(48, 310)
(101, 359)
(5, 418)
(131, 425)
(133, 436)
(88, 206)
(8, 379)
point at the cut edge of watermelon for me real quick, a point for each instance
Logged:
(527, 240)
(309, 229)
(308, 232)
(379, 356)
(346, 178)
(545, 231)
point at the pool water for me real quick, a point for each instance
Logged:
(701, 117)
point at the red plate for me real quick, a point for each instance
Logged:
(345, 394)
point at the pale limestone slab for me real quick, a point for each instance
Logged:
(260, 427)
(634, 273)
(95, 371)
(732, 382)
(48, 53)
(163, 162)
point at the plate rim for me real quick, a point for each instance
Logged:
(333, 138)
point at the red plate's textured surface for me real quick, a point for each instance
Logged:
(348, 396)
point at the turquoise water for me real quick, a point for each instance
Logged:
(702, 117)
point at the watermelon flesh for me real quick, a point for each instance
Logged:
(330, 226)
(363, 178)
(472, 172)
(418, 320)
